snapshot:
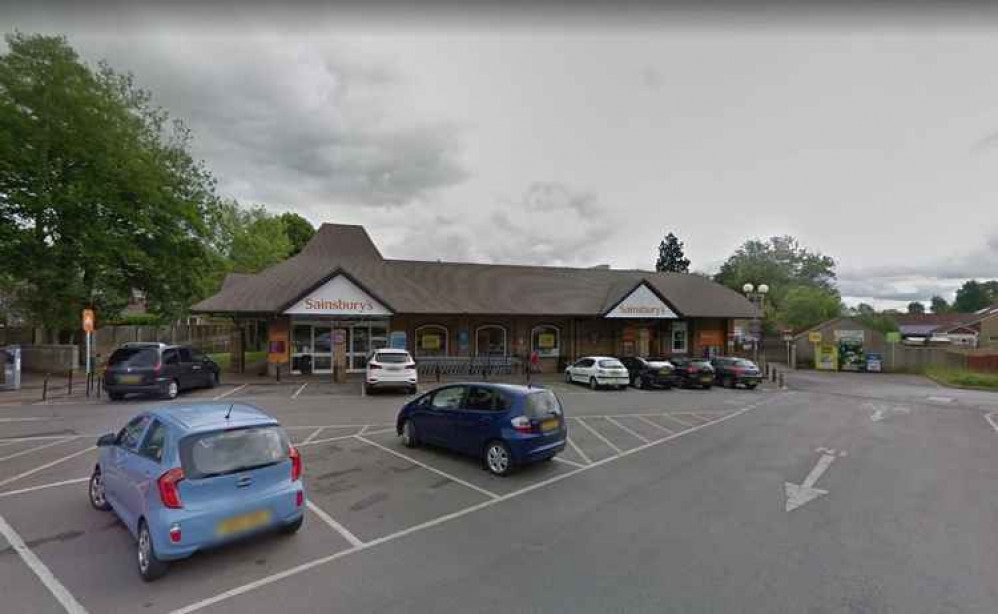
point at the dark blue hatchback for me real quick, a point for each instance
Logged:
(504, 425)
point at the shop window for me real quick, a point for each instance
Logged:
(546, 341)
(490, 341)
(679, 334)
(431, 340)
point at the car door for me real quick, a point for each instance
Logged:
(172, 367)
(142, 467)
(586, 369)
(441, 409)
(633, 366)
(477, 420)
(192, 370)
(116, 480)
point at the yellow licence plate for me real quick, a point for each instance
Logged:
(246, 522)
(549, 425)
(129, 379)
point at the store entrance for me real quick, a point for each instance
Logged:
(312, 345)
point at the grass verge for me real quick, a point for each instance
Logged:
(963, 378)
(225, 359)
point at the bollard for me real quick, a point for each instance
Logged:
(781, 381)
(438, 372)
(278, 372)
(69, 384)
(45, 387)
(772, 376)
(100, 385)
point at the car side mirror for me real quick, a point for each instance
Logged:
(107, 440)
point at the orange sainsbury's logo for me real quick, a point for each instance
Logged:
(313, 304)
(643, 310)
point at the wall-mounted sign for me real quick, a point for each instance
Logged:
(814, 337)
(396, 340)
(709, 338)
(642, 303)
(339, 296)
(430, 341)
(856, 336)
(545, 341)
(462, 341)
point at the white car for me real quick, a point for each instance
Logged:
(390, 368)
(598, 371)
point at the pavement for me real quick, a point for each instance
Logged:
(846, 493)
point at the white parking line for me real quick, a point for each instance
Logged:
(655, 424)
(240, 590)
(13, 440)
(342, 530)
(567, 462)
(991, 420)
(363, 430)
(69, 603)
(11, 493)
(626, 430)
(46, 466)
(579, 451)
(35, 449)
(35, 419)
(297, 392)
(683, 422)
(487, 493)
(598, 435)
(312, 437)
(228, 392)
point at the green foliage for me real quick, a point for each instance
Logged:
(962, 377)
(916, 307)
(298, 230)
(671, 257)
(939, 305)
(138, 319)
(99, 195)
(883, 322)
(806, 306)
(973, 296)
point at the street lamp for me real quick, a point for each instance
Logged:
(754, 294)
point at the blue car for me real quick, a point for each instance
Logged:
(502, 424)
(185, 478)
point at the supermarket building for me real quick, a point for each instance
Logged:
(340, 289)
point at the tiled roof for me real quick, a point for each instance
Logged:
(452, 288)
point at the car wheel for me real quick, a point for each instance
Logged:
(593, 385)
(497, 458)
(707, 386)
(98, 498)
(568, 377)
(213, 380)
(409, 437)
(292, 527)
(150, 567)
(639, 382)
(115, 396)
(750, 386)
(171, 390)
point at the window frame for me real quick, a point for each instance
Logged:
(548, 353)
(169, 351)
(505, 341)
(497, 399)
(678, 327)
(119, 440)
(417, 346)
(464, 395)
(143, 449)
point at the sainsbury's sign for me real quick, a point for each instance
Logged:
(339, 296)
(642, 303)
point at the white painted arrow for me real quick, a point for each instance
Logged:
(799, 495)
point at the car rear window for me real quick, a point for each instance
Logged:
(134, 357)
(391, 358)
(611, 364)
(742, 363)
(542, 403)
(220, 452)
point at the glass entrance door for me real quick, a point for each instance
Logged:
(322, 346)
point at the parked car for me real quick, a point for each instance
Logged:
(504, 425)
(185, 478)
(731, 371)
(159, 369)
(389, 368)
(598, 371)
(650, 372)
(694, 373)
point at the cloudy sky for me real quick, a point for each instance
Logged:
(580, 139)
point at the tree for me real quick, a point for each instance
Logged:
(298, 230)
(915, 307)
(779, 262)
(972, 296)
(939, 305)
(99, 195)
(863, 309)
(806, 306)
(671, 257)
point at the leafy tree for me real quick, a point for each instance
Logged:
(298, 230)
(99, 195)
(671, 257)
(915, 307)
(884, 322)
(863, 309)
(806, 306)
(939, 305)
(972, 296)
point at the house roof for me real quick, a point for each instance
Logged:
(928, 323)
(451, 287)
(854, 322)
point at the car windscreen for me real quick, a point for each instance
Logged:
(391, 358)
(542, 403)
(611, 364)
(134, 357)
(220, 452)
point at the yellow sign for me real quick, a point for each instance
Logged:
(827, 357)
(545, 341)
(430, 342)
(88, 320)
(814, 337)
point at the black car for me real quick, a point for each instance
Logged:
(650, 372)
(694, 373)
(731, 371)
(159, 369)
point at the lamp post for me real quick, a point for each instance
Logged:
(754, 294)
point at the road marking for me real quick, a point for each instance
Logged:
(363, 430)
(314, 434)
(297, 392)
(626, 430)
(485, 492)
(13, 440)
(941, 399)
(11, 493)
(239, 590)
(655, 424)
(35, 449)
(579, 451)
(991, 420)
(683, 422)
(598, 435)
(342, 530)
(228, 392)
(46, 466)
(69, 603)
(35, 419)
(799, 495)
(568, 462)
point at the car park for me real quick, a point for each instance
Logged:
(649, 372)
(158, 369)
(732, 371)
(505, 425)
(186, 478)
(598, 371)
(694, 373)
(391, 368)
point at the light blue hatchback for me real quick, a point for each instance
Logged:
(187, 477)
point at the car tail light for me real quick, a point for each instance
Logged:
(296, 468)
(691, 369)
(175, 534)
(521, 424)
(410, 365)
(737, 370)
(169, 494)
(373, 365)
(299, 498)
(157, 368)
